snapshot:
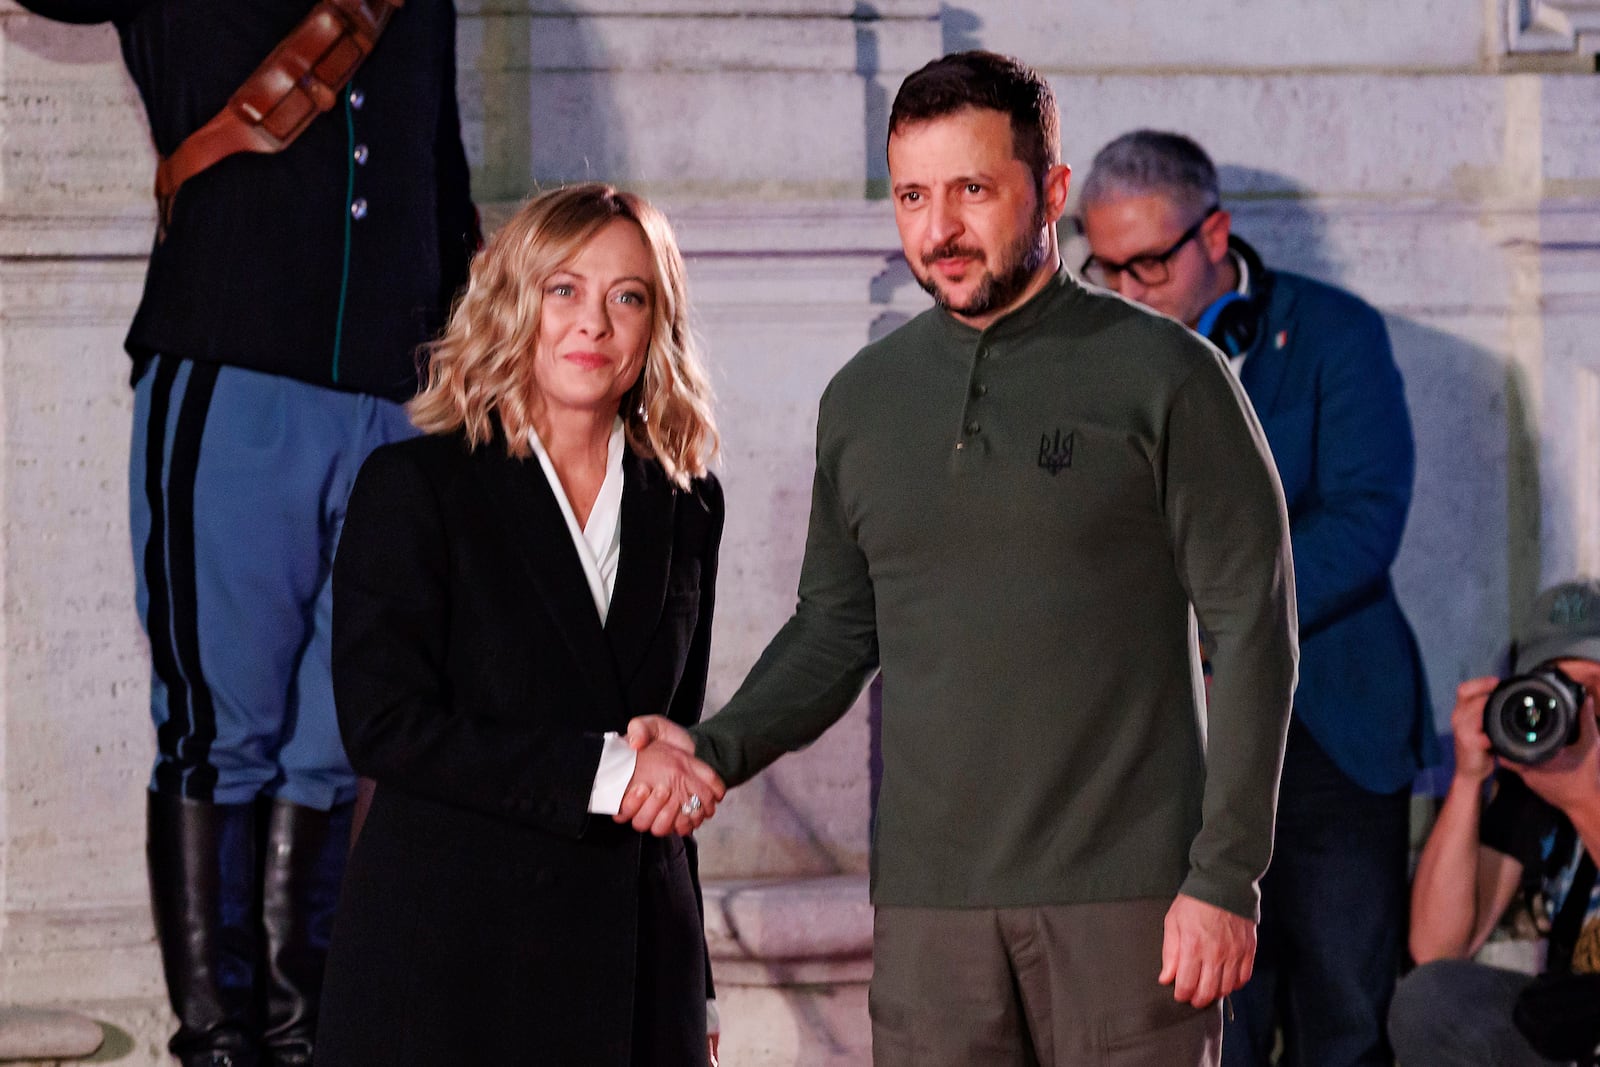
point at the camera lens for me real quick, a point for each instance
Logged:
(1530, 713)
(1530, 718)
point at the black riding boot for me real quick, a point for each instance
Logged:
(302, 866)
(203, 884)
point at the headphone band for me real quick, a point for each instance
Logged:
(1233, 321)
(1208, 318)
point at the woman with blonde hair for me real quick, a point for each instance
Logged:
(510, 589)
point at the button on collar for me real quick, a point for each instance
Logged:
(358, 208)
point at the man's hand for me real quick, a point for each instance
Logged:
(647, 728)
(714, 1041)
(666, 780)
(1474, 761)
(1207, 952)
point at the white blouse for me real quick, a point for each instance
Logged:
(599, 548)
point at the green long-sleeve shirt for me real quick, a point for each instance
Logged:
(1012, 524)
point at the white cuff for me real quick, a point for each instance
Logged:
(713, 1020)
(612, 778)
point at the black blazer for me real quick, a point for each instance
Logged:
(486, 915)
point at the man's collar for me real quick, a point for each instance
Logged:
(1241, 265)
(1024, 316)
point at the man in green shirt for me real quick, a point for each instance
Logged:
(1018, 496)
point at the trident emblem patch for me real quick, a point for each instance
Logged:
(1055, 453)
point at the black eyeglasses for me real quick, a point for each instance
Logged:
(1147, 270)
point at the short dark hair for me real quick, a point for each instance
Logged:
(993, 82)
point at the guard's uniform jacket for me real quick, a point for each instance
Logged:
(329, 262)
(281, 322)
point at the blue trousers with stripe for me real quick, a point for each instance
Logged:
(238, 483)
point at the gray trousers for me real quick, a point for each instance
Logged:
(1456, 1013)
(1063, 986)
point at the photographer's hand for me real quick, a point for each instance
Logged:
(1571, 781)
(1461, 887)
(1474, 761)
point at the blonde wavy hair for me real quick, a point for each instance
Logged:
(481, 370)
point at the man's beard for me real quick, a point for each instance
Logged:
(997, 289)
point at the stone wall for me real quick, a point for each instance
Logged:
(1440, 157)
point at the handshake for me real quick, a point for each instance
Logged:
(671, 791)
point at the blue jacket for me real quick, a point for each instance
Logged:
(1324, 383)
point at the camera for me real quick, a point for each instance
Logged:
(1531, 717)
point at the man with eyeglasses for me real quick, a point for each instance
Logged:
(1316, 363)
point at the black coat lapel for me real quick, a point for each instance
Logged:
(647, 528)
(538, 533)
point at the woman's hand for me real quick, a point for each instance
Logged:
(670, 792)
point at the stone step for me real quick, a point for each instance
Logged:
(789, 931)
(791, 959)
(45, 1034)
